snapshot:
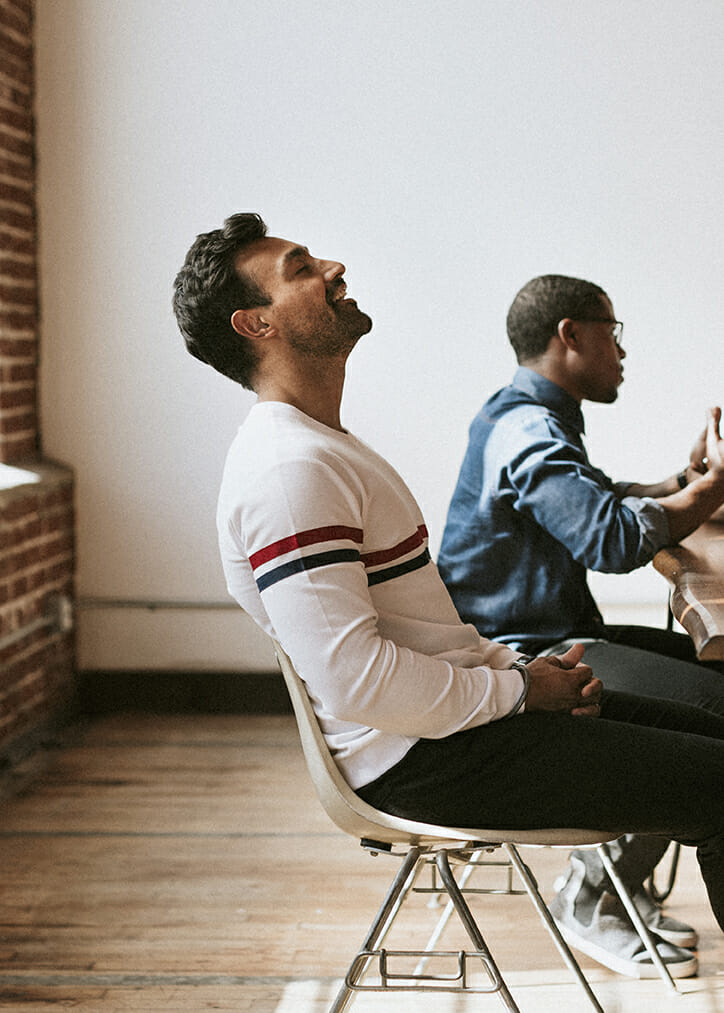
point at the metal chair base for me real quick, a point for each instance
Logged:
(372, 955)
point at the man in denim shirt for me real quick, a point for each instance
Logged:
(530, 515)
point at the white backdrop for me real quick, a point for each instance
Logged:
(446, 154)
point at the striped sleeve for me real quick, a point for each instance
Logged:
(337, 543)
(326, 584)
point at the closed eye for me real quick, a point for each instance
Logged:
(296, 261)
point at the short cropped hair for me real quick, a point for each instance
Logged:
(208, 289)
(539, 306)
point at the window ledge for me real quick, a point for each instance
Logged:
(17, 480)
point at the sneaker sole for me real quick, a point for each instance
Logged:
(630, 968)
(686, 939)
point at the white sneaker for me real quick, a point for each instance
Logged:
(670, 929)
(598, 925)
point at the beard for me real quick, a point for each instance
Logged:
(329, 332)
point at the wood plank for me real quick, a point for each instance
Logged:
(695, 570)
(184, 863)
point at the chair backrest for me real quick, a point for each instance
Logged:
(350, 813)
(359, 819)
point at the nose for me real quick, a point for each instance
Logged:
(621, 351)
(332, 269)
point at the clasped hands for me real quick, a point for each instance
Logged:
(563, 683)
(708, 451)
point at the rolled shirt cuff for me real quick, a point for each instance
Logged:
(653, 525)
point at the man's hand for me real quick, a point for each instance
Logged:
(698, 455)
(562, 683)
(708, 447)
(714, 444)
(689, 507)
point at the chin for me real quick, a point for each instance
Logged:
(367, 324)
(603, 396)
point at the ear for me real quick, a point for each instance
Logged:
(567, 334)
(251, 324)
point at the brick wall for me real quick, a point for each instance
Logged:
(18, 288)
(37, 679)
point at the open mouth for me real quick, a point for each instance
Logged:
(338, 295)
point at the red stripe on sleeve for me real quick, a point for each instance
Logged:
(313, 536)
(387, 555)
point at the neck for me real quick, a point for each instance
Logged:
(552, 370)
(315, 388)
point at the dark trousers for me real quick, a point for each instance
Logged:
(650, 662)
(644, 766)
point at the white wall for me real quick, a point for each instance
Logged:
(446, 153)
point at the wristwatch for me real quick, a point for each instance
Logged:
(681, 479)
(520, 665)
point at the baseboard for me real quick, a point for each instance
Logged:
(162, 692)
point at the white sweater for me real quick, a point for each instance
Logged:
(324, 546)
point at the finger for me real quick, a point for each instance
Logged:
(713, 439)
(554, 660)
(572, 656)
(592, 690)
(583, 674)
(589, 711)
(698, 454)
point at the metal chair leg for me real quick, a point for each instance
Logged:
(446, 913)
(547, 919)
(379, 927)
(531, 888)
(660, 895)
(471, 927)
(635, 917)
(400, 899)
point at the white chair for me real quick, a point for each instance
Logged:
(426, 844)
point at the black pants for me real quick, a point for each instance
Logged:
(650, 662)
(644, 766)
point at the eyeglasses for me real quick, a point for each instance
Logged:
(616, 327)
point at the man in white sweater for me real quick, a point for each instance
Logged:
(325, 547)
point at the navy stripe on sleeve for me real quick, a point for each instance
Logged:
(302, 563)
(397, 571)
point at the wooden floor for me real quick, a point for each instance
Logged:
(184, 863)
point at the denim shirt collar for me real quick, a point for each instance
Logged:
(551, 396)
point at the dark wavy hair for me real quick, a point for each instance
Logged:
(208, 289)
(535, 312)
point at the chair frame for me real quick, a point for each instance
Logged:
(423, 844)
